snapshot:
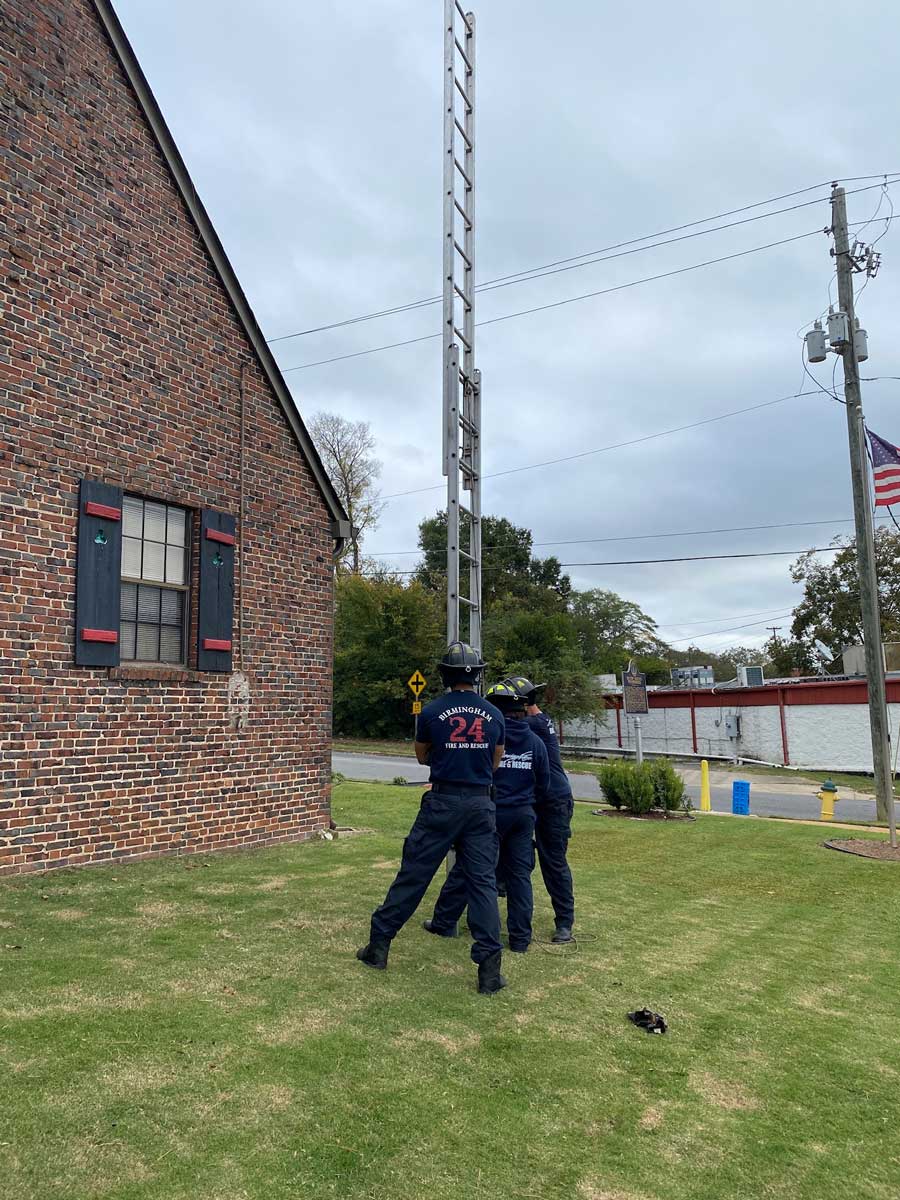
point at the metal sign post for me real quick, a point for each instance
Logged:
(416, 684)
(461, 379)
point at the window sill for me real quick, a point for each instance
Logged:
(153, 673)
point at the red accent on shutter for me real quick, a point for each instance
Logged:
(99, 635)
(103, 510)
(227, 539)
(216, 644)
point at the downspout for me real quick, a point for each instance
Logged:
(241, 543)
(784, 738)
(693, 722)
(619, 725)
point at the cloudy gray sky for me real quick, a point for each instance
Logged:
(313, 133)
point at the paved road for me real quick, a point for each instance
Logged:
(765, 802)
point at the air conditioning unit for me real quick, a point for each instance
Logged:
(751, 676)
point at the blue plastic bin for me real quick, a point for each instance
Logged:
(740, 798)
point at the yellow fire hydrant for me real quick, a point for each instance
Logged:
(828, 796)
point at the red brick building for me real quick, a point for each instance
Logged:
(166, 526)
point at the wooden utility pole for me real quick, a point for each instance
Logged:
(865, 525)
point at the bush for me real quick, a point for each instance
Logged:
(637, 787)
(668, 786)
(399, 781)
(610, 776)
(627, 785)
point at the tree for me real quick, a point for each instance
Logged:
(346, 449)
(543, 647)
(783, 657)
(509, 572)
(384, 631)
(612, 630)
(830, 609)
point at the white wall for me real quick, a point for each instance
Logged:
(828, 736)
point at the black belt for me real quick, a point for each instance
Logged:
(459, 789)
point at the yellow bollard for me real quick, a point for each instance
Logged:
(827, 796)
(705, 805)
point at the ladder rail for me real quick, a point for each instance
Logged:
(461, 379)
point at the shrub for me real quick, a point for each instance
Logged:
(399, 781)
(637, 788)
(668, 786)
(610, 777)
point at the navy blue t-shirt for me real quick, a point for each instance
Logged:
(524, 771)
(542, 725)
(464, 729)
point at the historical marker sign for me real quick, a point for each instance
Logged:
(634, 692)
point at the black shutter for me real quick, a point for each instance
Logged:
(99, 575)
(216, 607)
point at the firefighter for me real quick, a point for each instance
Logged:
(461, 737)
(523, 774)
(553, 828)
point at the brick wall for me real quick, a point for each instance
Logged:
(122, 359)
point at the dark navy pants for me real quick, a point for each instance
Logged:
(515, 829)
(460, 820)
(551, 834)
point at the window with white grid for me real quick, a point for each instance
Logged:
(155, 546)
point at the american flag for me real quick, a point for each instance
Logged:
(885, 469)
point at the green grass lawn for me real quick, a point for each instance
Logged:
(374, 746)
(198, 1028)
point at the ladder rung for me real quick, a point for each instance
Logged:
(465, 136)
(468, 426)
(462, 54)
(462, 13)
(462, 253)
(462, 295)
(466, 555)
(462, 92)
(462, 212)
(462, 337)
(471, 603)
(462, 172)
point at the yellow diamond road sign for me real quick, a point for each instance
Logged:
(417, 683)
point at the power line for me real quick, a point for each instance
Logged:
(639, 562)
(436, 487)
(525, 312)
(560, 264)
(633, 562)
(717, 632)
(558, 267)
(642, 537)
(766, 612)
(648, 437)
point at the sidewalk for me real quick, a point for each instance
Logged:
(787, 785)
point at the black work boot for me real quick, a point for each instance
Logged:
(452, 932)
(375, 954)
(489, 978)
(563, 934)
